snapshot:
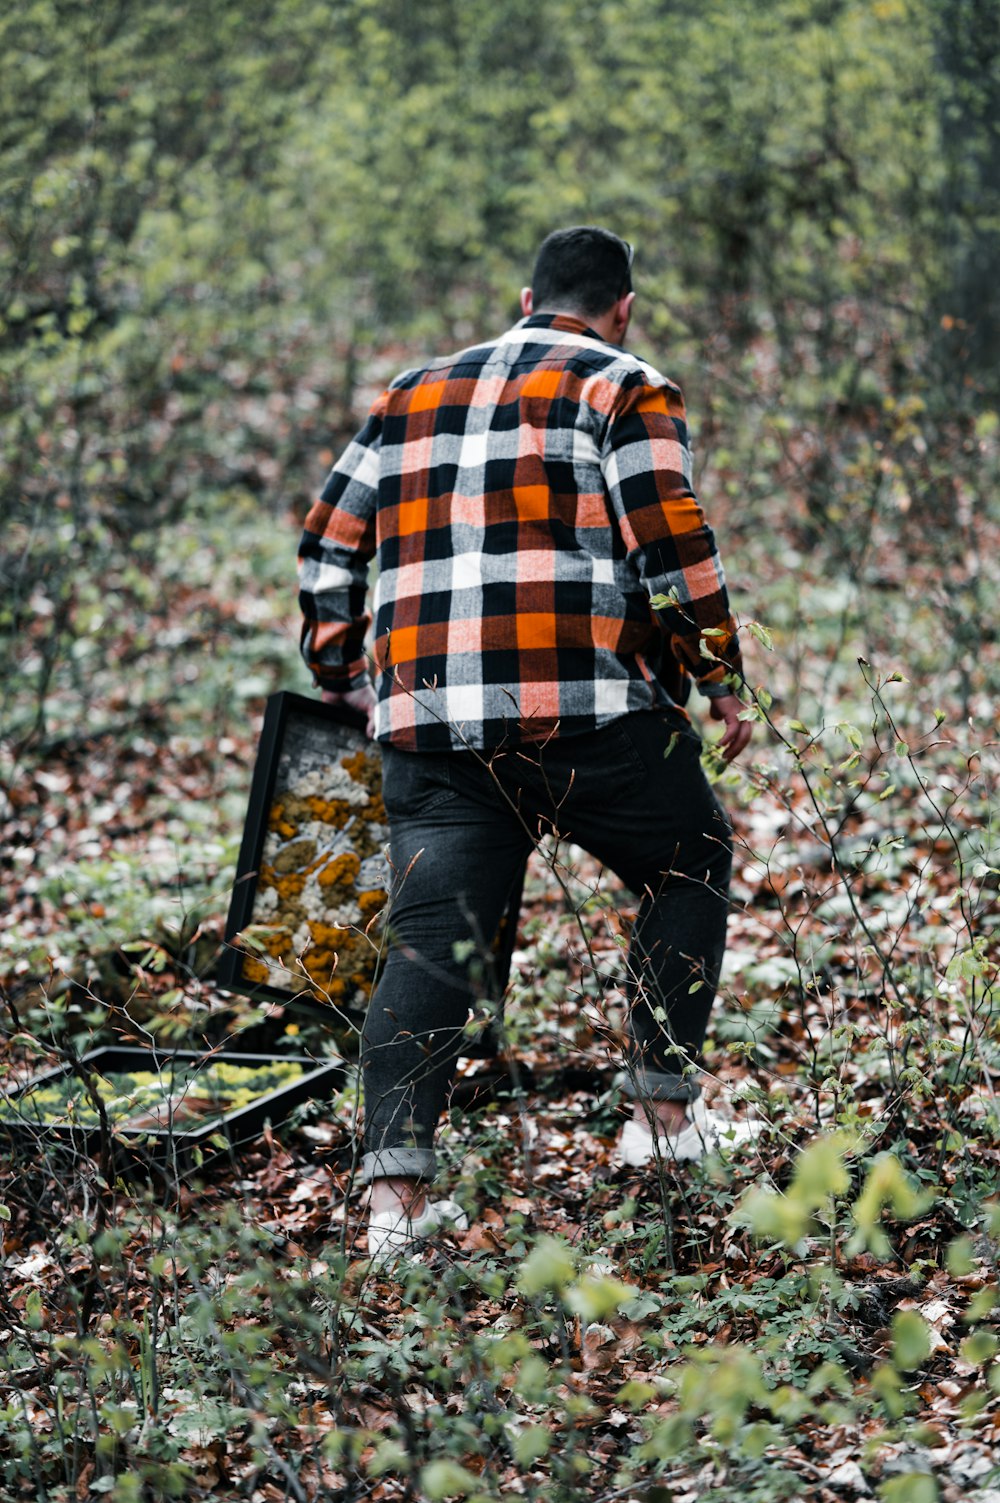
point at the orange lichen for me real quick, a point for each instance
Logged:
(327, 936)
(334, 812)
(276, 942)
(343, 868)
(357, 766)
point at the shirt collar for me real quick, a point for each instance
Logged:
(567, 322)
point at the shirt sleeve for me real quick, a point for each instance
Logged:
(338, 543)
(646, 464)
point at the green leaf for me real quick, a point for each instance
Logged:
(886, 1185)
(594, 1298)
(829, 1375)
(972, 1403)
(446, 1479)
(667, 1438)
(820, 1172)
(756, 1438)
(533, 1379)
(389, 1456)
(980, 1347)
(33, 1318)
(911, 1340)
(772, 1217)
(910, 1487)
(887, 1383)
(549, 1265)
(635, 1393)
(968, 965)
(982, 1304)
(154, 956)
(959, 1257)
(761, 634)
(531, 1444)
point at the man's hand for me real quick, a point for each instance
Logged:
(736, 737)
(362, 699)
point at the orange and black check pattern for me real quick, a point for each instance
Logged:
(523, 500)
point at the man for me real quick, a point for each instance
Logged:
(524, 500)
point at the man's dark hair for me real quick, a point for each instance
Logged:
(584, 269)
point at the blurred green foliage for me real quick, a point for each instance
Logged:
(222, 222)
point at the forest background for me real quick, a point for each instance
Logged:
(224, 227)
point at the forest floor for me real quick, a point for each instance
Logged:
(808, 1316)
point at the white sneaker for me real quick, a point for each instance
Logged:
(703, 1131)
(393, 1234)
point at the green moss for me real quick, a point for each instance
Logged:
(206, 1091)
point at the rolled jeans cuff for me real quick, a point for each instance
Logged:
(404, 1163)
(659, 1085)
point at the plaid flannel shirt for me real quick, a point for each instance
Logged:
(523, 500)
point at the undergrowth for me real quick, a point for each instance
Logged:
(809, 1314)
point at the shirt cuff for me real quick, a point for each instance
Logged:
(722, 680)
(344, 681)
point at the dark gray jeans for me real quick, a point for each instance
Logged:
(633, 794)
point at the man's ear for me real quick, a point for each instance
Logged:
(527, 302)
(623, 315)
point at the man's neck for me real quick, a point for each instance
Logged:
(611, 326)
(607, 326)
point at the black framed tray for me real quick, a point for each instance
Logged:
(303, 926)
(184, 1129)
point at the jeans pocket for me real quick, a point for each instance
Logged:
(594, 770)
(619, 763)
(414, 783)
